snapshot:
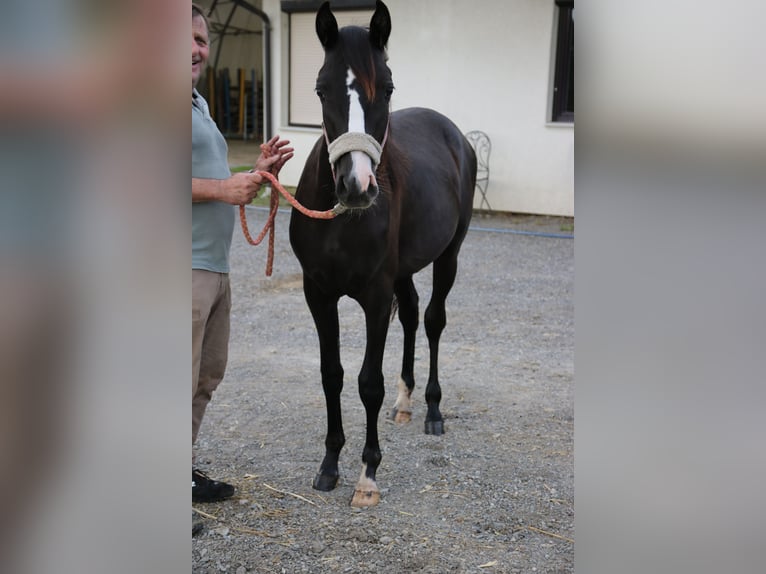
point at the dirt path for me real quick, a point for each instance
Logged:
(494, 494)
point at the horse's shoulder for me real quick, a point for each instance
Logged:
(420, 116)
(411, 125)
(415, 112)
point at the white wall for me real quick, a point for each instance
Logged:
(487, 65)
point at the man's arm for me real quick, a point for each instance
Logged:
(239, 189)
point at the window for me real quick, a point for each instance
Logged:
(563, 83)
(306, 55)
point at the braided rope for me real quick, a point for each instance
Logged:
(276, 189)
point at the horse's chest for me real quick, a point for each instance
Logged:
(344, 260)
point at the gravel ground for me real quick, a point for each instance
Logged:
(495, 493)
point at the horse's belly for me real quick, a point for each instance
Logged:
(422, 240)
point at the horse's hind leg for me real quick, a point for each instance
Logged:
(324, 310)
(435, 319)
(407, 298)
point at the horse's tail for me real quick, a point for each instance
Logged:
(394, 308)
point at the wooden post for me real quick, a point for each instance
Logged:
(241, 79)
(254, 103)
(226, 81)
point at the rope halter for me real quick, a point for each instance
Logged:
(355, 141)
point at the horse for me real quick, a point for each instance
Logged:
(402, 186)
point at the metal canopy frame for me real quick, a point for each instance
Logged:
(228, 30)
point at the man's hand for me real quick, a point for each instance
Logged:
(274, 155)
(241, 188)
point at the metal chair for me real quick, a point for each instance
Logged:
(482, 146)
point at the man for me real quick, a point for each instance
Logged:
(215, 193)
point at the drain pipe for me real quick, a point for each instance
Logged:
(267, 62)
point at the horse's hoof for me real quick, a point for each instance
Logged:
(435, 427)
(324, 482)
(402, 417)
(365, 498)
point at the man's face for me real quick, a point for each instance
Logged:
(200, 48)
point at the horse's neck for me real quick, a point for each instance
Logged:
(386, 175)
(324, 191)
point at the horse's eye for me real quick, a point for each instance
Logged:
(389, 91)
(320, 94)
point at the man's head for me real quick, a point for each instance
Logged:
(200, 43)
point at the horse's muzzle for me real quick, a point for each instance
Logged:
(355, 186)
(351, 196)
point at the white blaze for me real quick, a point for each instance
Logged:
(361, 162)
(355, 111)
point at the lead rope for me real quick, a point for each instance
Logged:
(276, 189)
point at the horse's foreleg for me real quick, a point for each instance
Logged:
(372, 391)
(407, 298)
(435, 319)
(324, 310)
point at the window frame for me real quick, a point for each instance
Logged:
(562, 110)
(291, 6)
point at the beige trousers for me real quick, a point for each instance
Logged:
(211, 307)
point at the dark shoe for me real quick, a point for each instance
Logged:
(197, 526)
(205, 489)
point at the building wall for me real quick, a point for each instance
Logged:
(487, 65)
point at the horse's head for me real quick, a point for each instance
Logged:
(354, 86)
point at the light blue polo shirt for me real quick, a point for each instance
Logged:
(212, 221)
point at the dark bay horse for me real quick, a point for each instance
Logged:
(403, 185)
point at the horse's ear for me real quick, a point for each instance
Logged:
(380, 26)
(326, 26)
